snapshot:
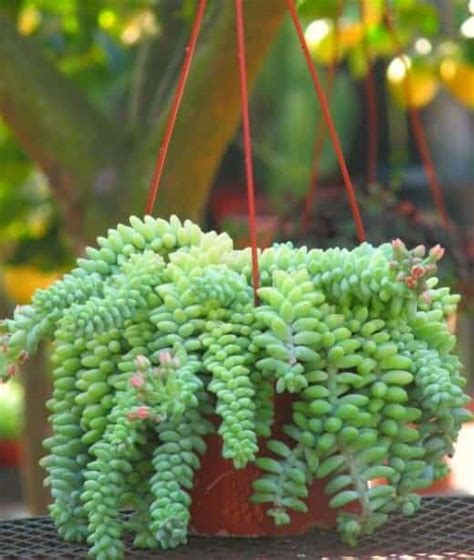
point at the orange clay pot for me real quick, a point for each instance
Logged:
(221, 496)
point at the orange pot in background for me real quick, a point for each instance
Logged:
(221, 496)
(10, 453)
(229, 208)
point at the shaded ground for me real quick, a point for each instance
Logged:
(443, 529)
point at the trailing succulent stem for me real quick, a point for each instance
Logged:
(155, 331)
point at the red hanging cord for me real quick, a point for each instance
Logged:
(322, 129)
(371, 97)
(418, 130)
(239, 19)
(329, 123)
(160, 162)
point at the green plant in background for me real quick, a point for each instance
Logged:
(11, 408)
(156, 329)
(385, 216)
(339, 26)
(27, 213)
(287, 112)
(85, 90)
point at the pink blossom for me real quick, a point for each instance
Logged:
(137, 381)
(142, 412)
(165, 357)
(418, 271)
(11, 370)
(426, 297)
(398, 247)
(437, 252)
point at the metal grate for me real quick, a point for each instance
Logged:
(444, 528)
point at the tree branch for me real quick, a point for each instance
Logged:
(54, 122)
(209, 114)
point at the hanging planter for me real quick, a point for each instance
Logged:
(222, 496)
(166, 373)
(241, 392)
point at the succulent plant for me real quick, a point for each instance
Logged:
(156, 330)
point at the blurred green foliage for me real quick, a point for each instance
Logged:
(97, 44)
(410, 16)
(287, 113)
(93, 43)
(11, 410)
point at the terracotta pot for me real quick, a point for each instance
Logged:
(10, 453)
(442, 486)
(221, 496)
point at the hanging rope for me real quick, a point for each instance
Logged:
(160, 162)
(239, 18)
(371, 98)
(322, 129)
(329, 123)
(418, 130)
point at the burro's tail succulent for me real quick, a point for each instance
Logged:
(156, 331)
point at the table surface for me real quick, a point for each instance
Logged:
(444, 528)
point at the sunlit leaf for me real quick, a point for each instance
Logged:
(316, 9)
(28, 20)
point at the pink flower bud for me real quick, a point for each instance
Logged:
(165, 357)
(410, 282)
(399, 248)
(11, 370)
(437, 252)
(418, 271)
(426, 297)
(142, 412)
(137, 381)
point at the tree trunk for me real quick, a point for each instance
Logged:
(99, 171)
(37, 386)
(61, 131)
